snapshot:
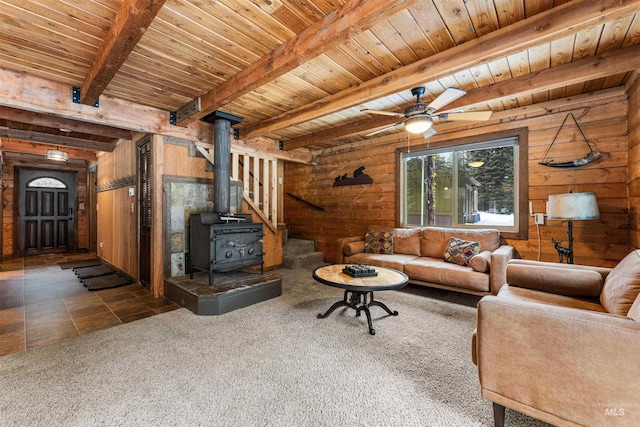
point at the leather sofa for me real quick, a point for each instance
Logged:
(419, 253)
(561, 343)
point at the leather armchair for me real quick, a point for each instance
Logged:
(561, 343)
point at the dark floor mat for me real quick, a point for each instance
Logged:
(98, 270)
(103, 282)
(79, 263)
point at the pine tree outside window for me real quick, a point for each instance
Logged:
(470, 185)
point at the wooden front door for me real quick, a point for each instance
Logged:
(46, 212)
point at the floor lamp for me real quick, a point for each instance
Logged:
(571, 207)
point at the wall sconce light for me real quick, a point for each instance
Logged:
(476, 164)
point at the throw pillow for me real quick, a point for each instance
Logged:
(461, 251)
(353, 248)
(481, 262)
(622, 285)
(378, 242)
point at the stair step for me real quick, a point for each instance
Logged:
(298, 247)
(308, 260)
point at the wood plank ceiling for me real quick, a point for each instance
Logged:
(300, 71)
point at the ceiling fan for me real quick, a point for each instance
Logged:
(419, 116)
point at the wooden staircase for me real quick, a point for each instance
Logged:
(259, 176)
(301, 253)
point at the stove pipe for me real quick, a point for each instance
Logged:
(221, 166)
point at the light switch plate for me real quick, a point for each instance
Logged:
(131, 192)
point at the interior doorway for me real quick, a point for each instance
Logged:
(145, 178)
(92, 194)
(46, 211)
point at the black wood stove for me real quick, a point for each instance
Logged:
(224, 242)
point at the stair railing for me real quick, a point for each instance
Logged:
(259, 179)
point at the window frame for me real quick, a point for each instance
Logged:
(522, 134)
(30, 183)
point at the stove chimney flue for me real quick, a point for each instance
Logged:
(222, 123)
(221, 167)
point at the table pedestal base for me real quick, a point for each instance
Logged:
(359, 301)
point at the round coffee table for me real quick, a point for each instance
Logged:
(358, 293)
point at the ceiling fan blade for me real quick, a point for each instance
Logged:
(446, 97)
(383, 113)
(429, 132)
(476, 116)
(375, 132)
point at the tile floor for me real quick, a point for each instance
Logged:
(40, 303)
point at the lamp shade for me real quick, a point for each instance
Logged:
(573, 206)
(418, 124)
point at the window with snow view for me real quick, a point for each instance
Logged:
(474, 185)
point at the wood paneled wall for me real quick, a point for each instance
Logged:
(350, 210)
(117, 224)
(634, 162)
(10, 194)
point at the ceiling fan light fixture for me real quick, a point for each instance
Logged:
(57, 155)
(418, 123)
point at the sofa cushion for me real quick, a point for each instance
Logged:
(378, 242)
(407, 241)
(436, 270)
(543, 297)
(564, 279)
(634, 311)
(435, 239)
(396, 261)
(481, 262)
(353, 248)
(622, 285)
(460, 251)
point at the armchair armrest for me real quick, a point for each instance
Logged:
(498, 271)
(564, 279)
(341, 244)
(543, 360)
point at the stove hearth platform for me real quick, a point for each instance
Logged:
(233, 290)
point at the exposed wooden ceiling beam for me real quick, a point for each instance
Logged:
(15, 146)
(131, 22)
(335, 28)
(558, 22)
(47, 120)
(339, 132)
(35, 94)
(48, 138)
(590, 68)
(532, 110)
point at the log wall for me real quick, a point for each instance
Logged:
(350, 210)
(634, 163)
(10, 194)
